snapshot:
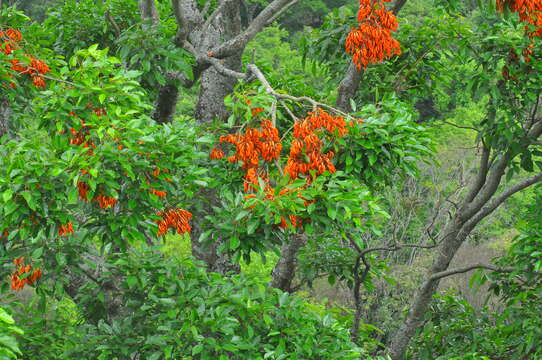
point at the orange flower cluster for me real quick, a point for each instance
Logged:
(529, 11)
(250, 147)
(83, 189)
(174, 218)
(79, 137)
(9, 41)
(105, 201)
(305, 152)
(17, 283)
(64, 230)
(371, 42)
(217, 153)
(158, 193)
(294, 220)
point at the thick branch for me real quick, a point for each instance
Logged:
(187, 16)
(482, 174)
(216, 63)
(488, 189)
(499, 199)
(238, 43)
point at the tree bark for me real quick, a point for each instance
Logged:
(348, 87)
(284, 272)
(147, 9)
(165, 106)
(5, 113)
(214, 85)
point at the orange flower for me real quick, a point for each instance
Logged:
(371, 41)
(14, 35)
(158, 193)
(174, 218)
(40, 66)
(17, 283)
(256, 111)
(65, 229)
(83, 189)
(105, 201)
(293, 221)
(18, 261)
(38, 81)
(216, 153)
(305, 151)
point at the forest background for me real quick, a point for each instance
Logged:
(270, 179)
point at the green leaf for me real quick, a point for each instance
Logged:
(5, 317)
(7, 195)
(197, 349)
(132, 281)
(234, 242)
(253, 224)
(36, 254)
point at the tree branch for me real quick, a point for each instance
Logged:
(468, 268)
(237, 43)
(482, 174)
(499, 199)
(113, 23)
(187, 17)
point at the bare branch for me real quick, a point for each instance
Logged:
(260, 76)
(460, 126)
(468, 268)
(216, 63)
(281, 11)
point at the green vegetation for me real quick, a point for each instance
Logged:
(195, 179)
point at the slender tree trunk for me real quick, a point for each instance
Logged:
(348, 87)
(284, 272)
(425, 294)
(147, 9)
(166, 103)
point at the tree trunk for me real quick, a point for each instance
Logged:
(147, 9)
(284, 272)
(210, 106)
(166, 103)
(425, 294)
(348, 87)
(5, 112)
(215, 86)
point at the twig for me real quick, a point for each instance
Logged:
(468, 268)
(113, 23)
